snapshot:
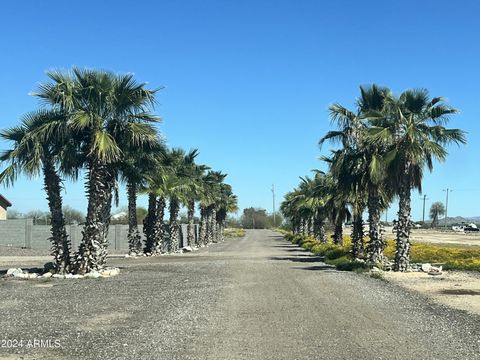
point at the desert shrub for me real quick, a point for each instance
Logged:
(347, 264)
(336, 253)
(234, 232)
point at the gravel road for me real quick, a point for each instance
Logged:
(253, 298)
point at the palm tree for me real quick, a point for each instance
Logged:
(227, 203)
(288, 208)
(411, 127)
(161, 181)
(134, 167)
(209, 197)
(347, 166)
(336, 206)
(110, 113)
(365, 168)
(195, 183)
(181, 166)
(436, 210)
(53, 155)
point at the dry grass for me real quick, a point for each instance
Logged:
(234, 232)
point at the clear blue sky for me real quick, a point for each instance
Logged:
(249, 82)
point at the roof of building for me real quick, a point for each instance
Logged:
(4, 201)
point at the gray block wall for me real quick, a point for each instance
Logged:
(22, 233)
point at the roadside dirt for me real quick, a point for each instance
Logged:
(460, 290)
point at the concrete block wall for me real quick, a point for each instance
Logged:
(22, 233)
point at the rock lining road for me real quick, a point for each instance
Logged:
(253, 298)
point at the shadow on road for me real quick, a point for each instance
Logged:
(324, 267)
(298, 259)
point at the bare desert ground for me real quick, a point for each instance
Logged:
(457, 289)
(440, 237)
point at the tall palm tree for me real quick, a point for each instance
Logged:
(227, 203)
(209, 197)
(182, 164)
(110, 113)
(288, 208)
(411, 127)
(347, 167)
(194, 182)
(161, 181)
(436, 210)
(364, 165)
(134, 167)
(52, 155)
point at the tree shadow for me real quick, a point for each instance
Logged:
(298, 259)
(323, 267)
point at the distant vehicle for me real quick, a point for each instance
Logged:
(471, 228)
(463, 227)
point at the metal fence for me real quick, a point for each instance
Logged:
(23, 233)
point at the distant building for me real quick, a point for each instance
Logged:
(4, 204)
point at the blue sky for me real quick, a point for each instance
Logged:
(249, 83)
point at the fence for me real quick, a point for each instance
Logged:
(22, 233)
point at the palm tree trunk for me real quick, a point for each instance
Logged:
(319, 229)
(92, 251)
(174, 226)
(376, 245)
(203, 226)
(149, 222)
(338, 235)
(357, 236)
(303, 227)
(208, 225)
(212, 225)
(222, 230)
(310, 226)
(191, 224)
(402, 255)
(134, 238)
(158, 232)
(59, 239)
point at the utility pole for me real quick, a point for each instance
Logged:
(424, 199)
(447, 190)
(273, 198)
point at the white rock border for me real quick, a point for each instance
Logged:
(21, 274)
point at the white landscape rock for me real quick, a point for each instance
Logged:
(13, 271)
(47, 275)
(92, 275)
(187, 249)
(33, 276)
(110, 272)
(21, 275)
(58, 276)
(435, 270)
(426, 267)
